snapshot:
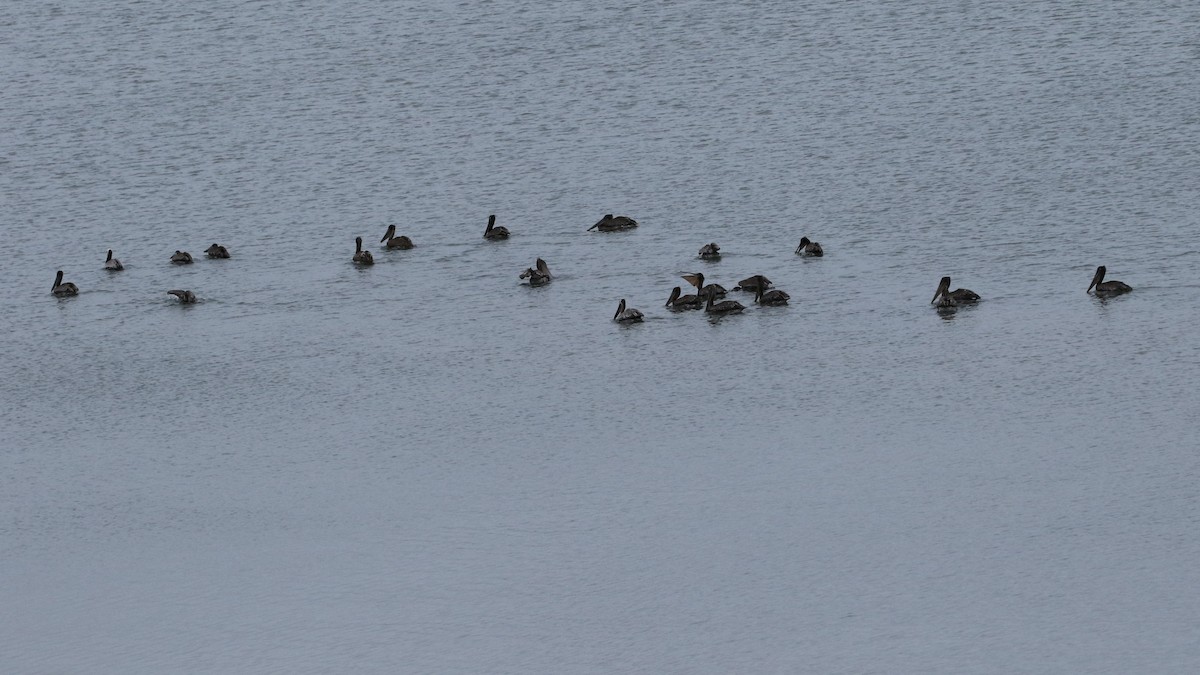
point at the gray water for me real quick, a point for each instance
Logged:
(426, 466)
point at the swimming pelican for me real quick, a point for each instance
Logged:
(182, 258)
(772, 297)
(751, 284)
(112, 264)
(677, 301)
(217, 251)
(697, 279)
(1107, 287)
(710, 251)
(723, 307)
(401, 242)
(492, 233)
(538, 275)
(809, 248)
(609, 223)
(623, 315)
(62, 290)
(185, 297)
(360, 256)
(949, 298)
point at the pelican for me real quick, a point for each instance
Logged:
(702, 291)
(710, 251)
(538, 275)
(360, 256)
(185, 297)
(112, 264)
(773, 297)
(630, 315)
(393, 241)
(949, 298)
(492, 233)
(809, 248)
(182, 258)
(677, 301)
(609, 223)
(752, 284)
(723, 307)
(62, 290)
(1107, 287)
(217, 251)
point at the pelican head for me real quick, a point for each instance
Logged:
(391, 232)
(620, 308)
(674, 296)
(942, 289)
(1098, 278)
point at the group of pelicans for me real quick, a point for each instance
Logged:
(538, 275)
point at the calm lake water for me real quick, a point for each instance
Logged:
(426, 466)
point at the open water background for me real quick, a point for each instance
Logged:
(427, 467)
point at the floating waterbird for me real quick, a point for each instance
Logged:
(217, 251)
(677, 301)
(538, 275)
(112, 264)
(1107, 287)
(809, 248)
(185, 297)
(493, 233)
(182, 258)
(771, 297)
(949, 298)
(403, 243)
(623, 315)
(360, 256)
(610, 223)
(63, 289)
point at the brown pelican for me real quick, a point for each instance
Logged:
(1107, 287)
(492, 233)
(393, 241)
(752, 284)
(217, 251)
(185, 297)
(623, 315)
(809, 248)
(677, 301)
(949, 298)
(723, 307)
(538, 275)
(609, 223)
(182, 258)
(702, 291)
(773, 297)
(60, 289)
(710, 251)
(360, 256)
(112, 264)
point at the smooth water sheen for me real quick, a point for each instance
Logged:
(427, 467)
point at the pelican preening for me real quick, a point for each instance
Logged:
(809, 248)
(752, 284)
(610, 223)
(360, 256)
(217, 251)
(182, 258)
(774, 297)
(677, 301)
(403, 243)
(949, 298)
(623, 315)
(493, 233)
(1105, 288)
(63, 289)
(711, 290)
(538, 275)
(710, 251)
(112, 264)
(723, 307)
(185, 297)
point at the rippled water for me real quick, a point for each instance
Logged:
(427, 467)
